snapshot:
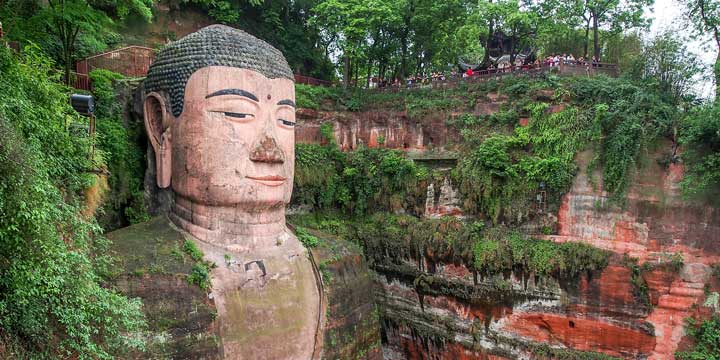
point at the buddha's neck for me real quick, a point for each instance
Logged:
(232, 227)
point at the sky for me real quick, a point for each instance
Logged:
(668, 14)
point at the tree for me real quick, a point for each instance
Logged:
(618, 16)
(66, 19)
(668, 63)
(518, 24)
(704, 15)
(613, 16)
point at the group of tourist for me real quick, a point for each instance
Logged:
(565, 59)
(439, 76)
(412, 80)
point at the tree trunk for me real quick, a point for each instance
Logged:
(369, 71)
(491, 30)
(346, 71)
(356, 67)
(587, 33)
(403, 55)
(717, 77)
(596, 39)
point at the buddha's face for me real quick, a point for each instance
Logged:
(234, 142)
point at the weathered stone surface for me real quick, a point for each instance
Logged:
(607, 312)
(394, 128)
(183, 318)
(153, 268)
(352, 328)
(446, 203)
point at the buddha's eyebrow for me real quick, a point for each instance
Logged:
(286, 102)
(238, 92)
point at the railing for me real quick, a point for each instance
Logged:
(80, 81)
(131, 61)
(565, 67)
(302, 79)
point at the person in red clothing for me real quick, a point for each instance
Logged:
(469, 72)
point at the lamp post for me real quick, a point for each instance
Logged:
(85, 105)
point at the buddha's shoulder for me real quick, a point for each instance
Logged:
(157, 228)
(151, 244)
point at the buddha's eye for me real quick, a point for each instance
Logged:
(287, 122)
(237, 115)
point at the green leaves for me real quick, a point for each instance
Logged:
(514, 252)
(706, 336)
(701, 141)
(356, 182)
(52, 303)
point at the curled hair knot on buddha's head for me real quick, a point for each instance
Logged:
(215, 45)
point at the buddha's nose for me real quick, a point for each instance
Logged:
(267, 151)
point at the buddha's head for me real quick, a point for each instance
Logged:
(220, 115)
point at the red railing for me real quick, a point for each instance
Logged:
(302, 79)
(131, 61)
(576, 68)
(80, 81)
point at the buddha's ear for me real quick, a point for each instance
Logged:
(158, 126)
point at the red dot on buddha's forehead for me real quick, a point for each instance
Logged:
(269, 97)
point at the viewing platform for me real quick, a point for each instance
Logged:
(564, 68)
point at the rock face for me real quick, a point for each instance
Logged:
(446, 204)
(655, 223)
(153, 267)
(352, 327)
(390, 129)
(633, 309)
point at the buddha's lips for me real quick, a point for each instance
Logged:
(271, 180)
(268, 178)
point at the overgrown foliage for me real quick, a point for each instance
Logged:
(393, 239)
(501, 172)
(200, 272)
(119, 145)
(701, 140)
(355, 182)
(52, 304)
(706, 335)
(513, 251)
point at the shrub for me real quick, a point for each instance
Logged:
(52, 304)
(706, 336)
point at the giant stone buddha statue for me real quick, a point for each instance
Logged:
(220, 114)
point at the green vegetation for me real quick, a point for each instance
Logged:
(668, 262)
(120, 146)
(52, 304)
(63, 26)
(200, 272)
(312, 97)
(706, 338)
(355, 182)
(541, 257)
(701, 138)
(391, 239)
(306, 238)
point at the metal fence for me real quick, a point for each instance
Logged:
(131, 61)
(302, 79)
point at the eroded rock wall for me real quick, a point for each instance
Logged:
(390, 129)
(631, 309)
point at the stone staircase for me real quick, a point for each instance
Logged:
(669, 315)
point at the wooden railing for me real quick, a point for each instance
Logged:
(564, 68)
(302, 79)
